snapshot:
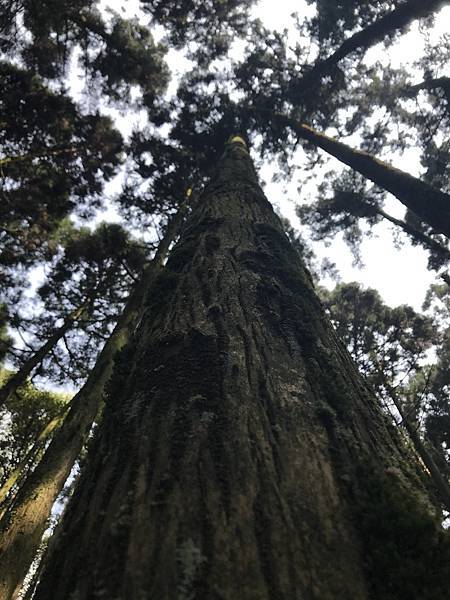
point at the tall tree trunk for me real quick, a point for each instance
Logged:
(35, 359)
(30, 457)
(430, 204)
(372, 34)
(240, 454)
(22, 527)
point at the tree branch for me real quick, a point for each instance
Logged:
(431, 205)
(375, 32)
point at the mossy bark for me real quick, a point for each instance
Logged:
(241, 455)
(23, 525)
(30, 457)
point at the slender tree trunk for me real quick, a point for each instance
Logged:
(430, 204)
(362, 40)
(29, 365)
(22, 527)
(439, 481)
(30, 456)
(240, 454)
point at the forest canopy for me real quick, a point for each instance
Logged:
(112, 119)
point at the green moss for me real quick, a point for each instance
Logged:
(327, 373)
(123, 358)
(163, 289)
(408, 555)
(212, 244)
(299, 314)
(206, 225)
(285, 262)
(182, 255)
(274, 235)
(285, 266)
(189, 562)
(326, 415)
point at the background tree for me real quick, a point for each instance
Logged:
(406, 116)
(100, 266)
(54, 160)
(115, 52)
(435, 405)
(84, 292)
(207, 29)
(24, 417)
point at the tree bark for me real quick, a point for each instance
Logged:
(441, 484)
(240, 454)
(30, 456)
(22, 527)
(440, 481)
(362, 40)
(431, 205)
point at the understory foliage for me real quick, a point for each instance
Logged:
(100, 144)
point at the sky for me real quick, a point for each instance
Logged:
(401, 276)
